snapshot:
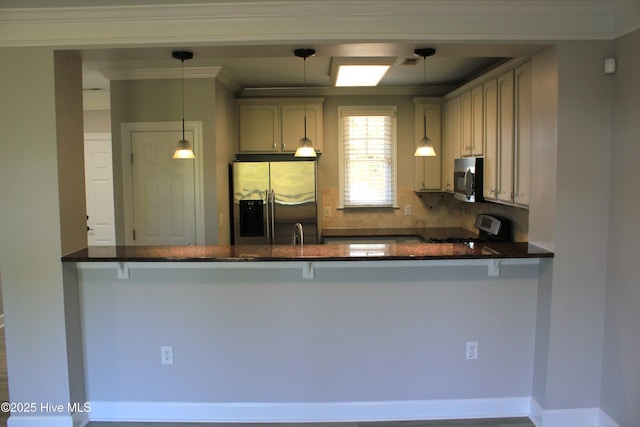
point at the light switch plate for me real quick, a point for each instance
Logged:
(610, 66)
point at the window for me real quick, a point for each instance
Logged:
(367, 160)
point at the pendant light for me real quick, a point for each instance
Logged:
(425, 148)
(305, 146)
(184, 149)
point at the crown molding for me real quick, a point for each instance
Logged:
(161, 73)
(626, 17)
(290, 21)
(173, 73)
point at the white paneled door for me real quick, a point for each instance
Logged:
(99, 189)
(163, 190)
(163, 196)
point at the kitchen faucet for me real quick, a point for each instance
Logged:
(298, 235)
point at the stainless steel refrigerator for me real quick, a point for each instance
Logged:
(269, 198)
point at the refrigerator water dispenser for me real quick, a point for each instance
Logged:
(251, 218)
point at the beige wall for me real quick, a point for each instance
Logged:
(572, 292)
(158, 101)
(621, 376)
(226, 137)
(544, 146)
(30, 237)
(69, 133)
(97, 121)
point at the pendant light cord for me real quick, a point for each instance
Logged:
(304, 84)
(182, 99)
(424, 78)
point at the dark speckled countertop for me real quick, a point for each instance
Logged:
(333, 252)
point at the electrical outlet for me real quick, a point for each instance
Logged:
(166, 355)
(221, 220)
(327, 211)
(407, 210)
(472, 350)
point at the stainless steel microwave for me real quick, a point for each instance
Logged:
(467, 179)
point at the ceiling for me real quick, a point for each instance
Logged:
(276, 66)
(252, 41)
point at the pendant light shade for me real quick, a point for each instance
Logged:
(184, 149)
(425, 148)
(305, 146)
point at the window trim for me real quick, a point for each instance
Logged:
(372, 110)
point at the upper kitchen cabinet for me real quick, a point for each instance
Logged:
(472, 126)
(504, 190)
(452, 137)
(490, 121)
(275, 125)
(507, 132)
(428, 170)
(522, 154)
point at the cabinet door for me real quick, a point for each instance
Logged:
(259, 127)
(452, 142)
(293, 125)
(477, 113)
(505, 136)
(522, 153)
(466, 143)
(490, 100)
(428, 170)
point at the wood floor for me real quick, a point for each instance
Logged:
(504, 422)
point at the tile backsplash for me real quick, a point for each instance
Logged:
(426, 210)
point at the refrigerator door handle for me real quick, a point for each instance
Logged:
(273, 216)
(267, 220)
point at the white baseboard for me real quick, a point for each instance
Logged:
(78, 419)
(309, 412)
(18, 420)
(322, 412)
(605, 420)
(583, 417)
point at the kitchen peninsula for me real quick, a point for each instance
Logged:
(337, 252)
(320, 333)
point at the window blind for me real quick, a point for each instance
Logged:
(368, 151)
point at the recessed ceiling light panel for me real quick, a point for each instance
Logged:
(359, 71)
(360, 75)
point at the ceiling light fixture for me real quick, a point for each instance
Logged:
(184, 149)
(425, 148)
(355, 72)
(360, 75)
(305, 146)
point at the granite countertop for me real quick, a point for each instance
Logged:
(332, 252)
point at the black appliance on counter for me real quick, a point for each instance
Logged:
(491, 228)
